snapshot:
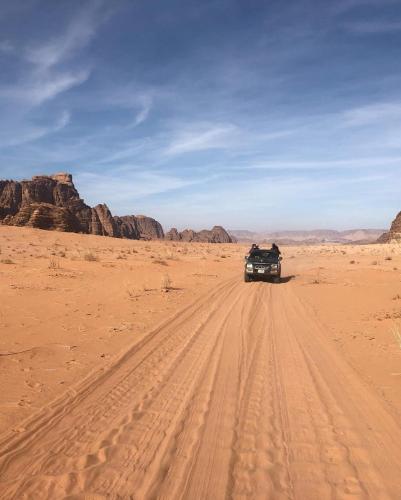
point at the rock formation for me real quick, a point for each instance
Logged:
(52, 202)
(128, 227)
(139, 227)
(217, 235)
(173, 235)
(394, 235)
(45, 216)
(149, 228)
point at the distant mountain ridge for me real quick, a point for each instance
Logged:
(216, 235)
(311, 237)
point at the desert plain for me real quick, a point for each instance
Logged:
(149, 369)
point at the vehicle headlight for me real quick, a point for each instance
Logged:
(249, 267)
(274, 266)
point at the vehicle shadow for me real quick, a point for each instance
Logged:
(283, 279)
(286, 279)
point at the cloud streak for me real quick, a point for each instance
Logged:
(77, 35)
(41, 88)
(372, 113)
(373, 27)
(32, 133)
(218, 136)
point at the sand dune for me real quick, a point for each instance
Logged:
(214, 389)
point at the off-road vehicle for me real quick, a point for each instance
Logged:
(262, 264)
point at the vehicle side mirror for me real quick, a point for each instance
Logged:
(280, 258)
(246, 258)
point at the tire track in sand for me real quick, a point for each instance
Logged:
(238, 396)
(80, 429)
(328, 453)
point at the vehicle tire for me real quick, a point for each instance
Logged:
(277, 279)
(247, 278)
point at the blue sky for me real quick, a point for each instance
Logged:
(252, 114)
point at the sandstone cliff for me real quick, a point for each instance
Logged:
(394, 235)
(139, 227)
(149, 228)
(216, 235)
(52, 202)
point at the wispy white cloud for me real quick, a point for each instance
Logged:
(125, 152)
(76, 36)
(47, 69)
(41, 88)
(121, 191)
(373, 27)
(146, 105)
(63, 121)
(350, 163)
(372, 113)
(343, 6)
(202, 138)
(141, 116)
(41, 79)
(28, 133)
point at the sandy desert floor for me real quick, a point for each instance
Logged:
(134, 369)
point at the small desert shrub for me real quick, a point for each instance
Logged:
(54, 264)
(132, 294)
(388, 258)
(166, 283)
(161, 262)
(170, 255)
(91, 257)
(396, 334)
(352, 262)
(374, 263)
(62, 254)
(397, 297)
(6, 261)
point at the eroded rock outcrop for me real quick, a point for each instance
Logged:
(52, 202)
(44, 216)
(149, 229)
(394, 235)
(105, 223)
(128, 227)
(216, 235)
(173, 235)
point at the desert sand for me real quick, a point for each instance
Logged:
(134, 369)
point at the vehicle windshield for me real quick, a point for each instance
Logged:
(263, 255)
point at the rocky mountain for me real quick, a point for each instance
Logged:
(394, 234)
(52, 202)
(216, 235)
(312, 237)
